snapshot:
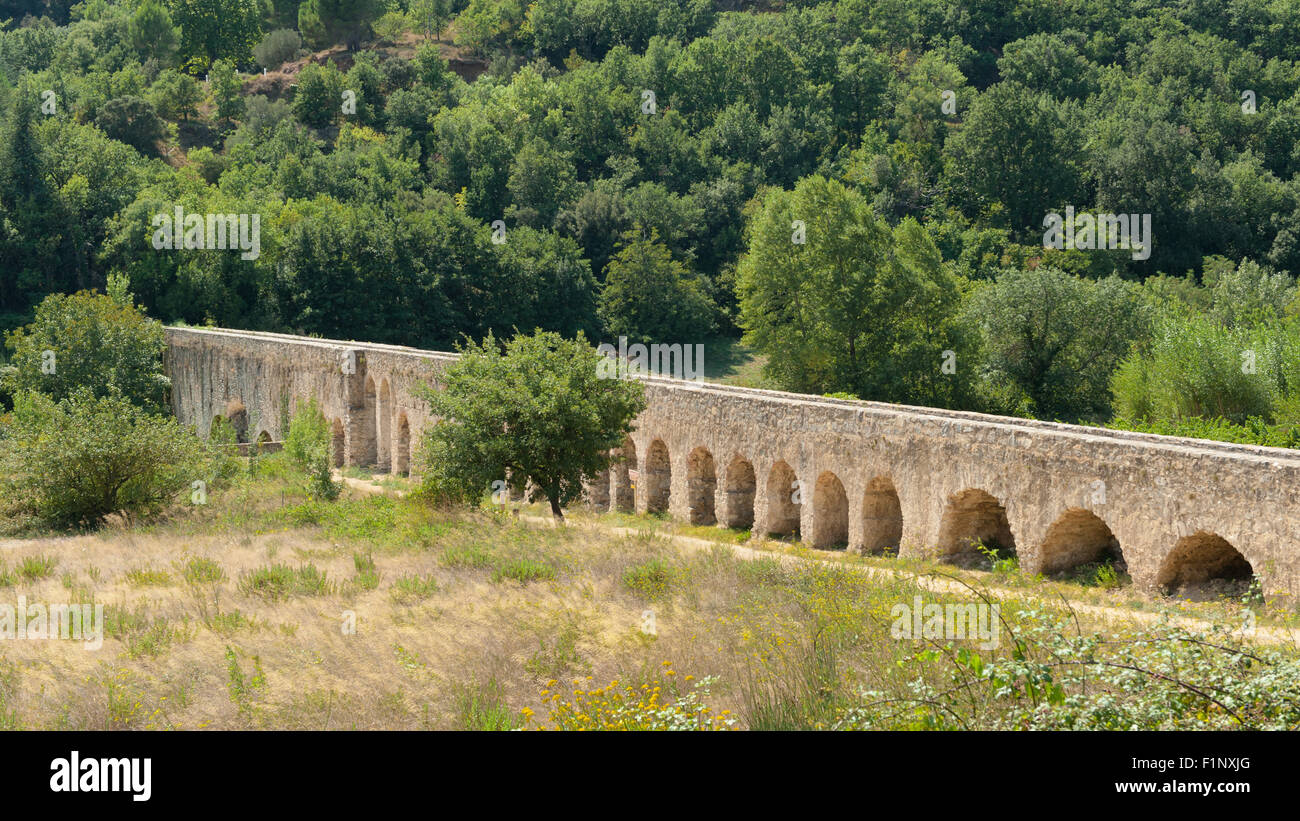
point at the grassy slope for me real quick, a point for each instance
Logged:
(504, 616)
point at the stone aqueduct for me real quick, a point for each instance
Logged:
(867, 476)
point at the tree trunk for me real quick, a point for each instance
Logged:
(555, 509)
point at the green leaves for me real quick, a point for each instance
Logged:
(76, 461)
(532, 411)
(89, 341)
(840, 302)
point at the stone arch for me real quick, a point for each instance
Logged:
(830, 513)
(782, 510)
(738, 508)
(363, 429)
(384, 427)
(625, 476)
(1078, 537)
(702, 486)
(974, 517)
(882, 517)
(263, 440)
(340, 441)
(658, 477)
(237, 416)
(402, 451)
(1204, 564)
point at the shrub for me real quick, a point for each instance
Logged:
(93, 341)
(413, 588)
(651, 579)
(522, 570)
(280, 581)
(316, 100)
(77, 461)
(277, 47)
(308, 430)
(133, 121)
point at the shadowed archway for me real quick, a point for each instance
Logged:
(970, 519)
(882, 517)
(625, 476)
(384, 427)
(402, 454)
(830, 513)
(783, 501)
(1079, 537)
(702, 486)
(658, 477)
(1205, 565)
(738, 507)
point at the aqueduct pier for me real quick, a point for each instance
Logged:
(867, 476)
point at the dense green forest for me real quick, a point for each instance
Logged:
(860, 187)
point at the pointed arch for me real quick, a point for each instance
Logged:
(363, 428)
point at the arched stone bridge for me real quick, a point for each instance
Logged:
(867, 476)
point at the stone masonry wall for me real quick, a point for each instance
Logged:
(1058, 493)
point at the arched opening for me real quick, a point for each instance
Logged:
(882, 517)
(738, 508)
(363, 429)
(237, 416)
(1077, 540)
(830, 513)
(598, 491)
(625, 477)
(658, 477)
(402, 454)
(1205, 566)
(702, 486)
(263, 441)
(972, 519)
(783, 501)
(340, 442)
(384, 427)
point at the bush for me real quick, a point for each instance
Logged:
(309, 445)
(79, 460)
(316, 102)
(91, 341)
(321, 484)
(308, 430)
(392, 25)
(133, 121)
(277, 47)
(1195, 367)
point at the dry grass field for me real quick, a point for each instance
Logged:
(263, 609)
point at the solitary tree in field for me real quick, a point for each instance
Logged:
(533, 412)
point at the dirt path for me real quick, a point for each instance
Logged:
(1103, 613)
